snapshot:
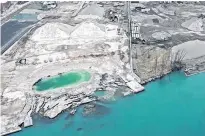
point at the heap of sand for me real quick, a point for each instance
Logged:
(194, 24)
(52, 31)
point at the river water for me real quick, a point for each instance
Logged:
(173, 106)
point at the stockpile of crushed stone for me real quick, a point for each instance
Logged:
(194, 24)
(52, 31)
(87, 30)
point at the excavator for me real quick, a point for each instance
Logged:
(112, 15)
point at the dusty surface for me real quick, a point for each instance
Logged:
(167, 28)
(73, 37)
(192, 49)
(56, 46)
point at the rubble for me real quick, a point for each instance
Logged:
(94, 109)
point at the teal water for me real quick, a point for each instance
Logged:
(25, 16)
(62, 80)
(173, 106)
(99, 93)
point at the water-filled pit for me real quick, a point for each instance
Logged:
(72, 78)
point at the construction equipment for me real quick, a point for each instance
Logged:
(112, 15)
(47, 5)
(21, 62)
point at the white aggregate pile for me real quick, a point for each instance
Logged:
(194, 24)
(48, 37)
(52, 31)
(88, 30)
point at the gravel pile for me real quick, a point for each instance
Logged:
(52, 31)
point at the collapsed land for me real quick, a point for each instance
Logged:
(123, 45)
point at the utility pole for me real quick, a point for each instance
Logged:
(130, 39)
(129, 33)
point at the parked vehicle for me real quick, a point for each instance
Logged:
(47, 5)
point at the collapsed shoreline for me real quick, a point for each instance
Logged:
(65, 114)
(51, 105)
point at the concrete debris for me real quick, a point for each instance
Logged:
(135, 86)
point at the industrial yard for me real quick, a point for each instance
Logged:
(122, 45)
(55, 45)
(168, 33)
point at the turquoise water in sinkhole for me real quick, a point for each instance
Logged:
(63, 80)
(173, 106)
